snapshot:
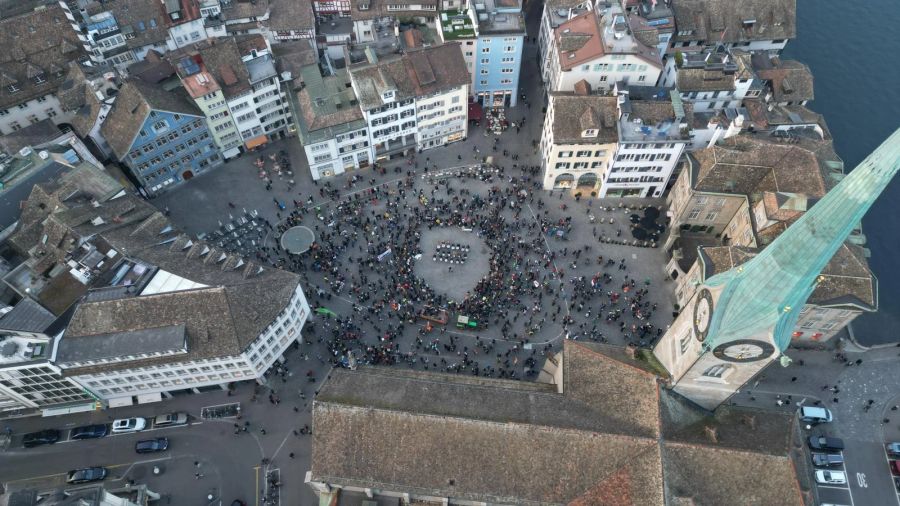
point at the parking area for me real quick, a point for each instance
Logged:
(868, 478)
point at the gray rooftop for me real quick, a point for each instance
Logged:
(33, 171)
(115, 345)
(27, 316)
(261, 67)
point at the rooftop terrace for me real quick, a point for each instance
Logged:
(457, 25)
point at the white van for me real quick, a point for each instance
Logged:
(815, 414)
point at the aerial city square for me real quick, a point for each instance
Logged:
(448, 252)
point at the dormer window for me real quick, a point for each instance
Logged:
(363, 6)
(571, 55)
(590, 132)
(40, 78)
(12, 88)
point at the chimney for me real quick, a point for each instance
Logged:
(711, 433)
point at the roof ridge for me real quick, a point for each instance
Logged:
(651, 441)
(729, 449)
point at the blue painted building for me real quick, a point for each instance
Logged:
(160, 135)
(491, 35)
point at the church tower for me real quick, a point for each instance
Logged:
(740, 320)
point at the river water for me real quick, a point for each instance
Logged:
(853, 50)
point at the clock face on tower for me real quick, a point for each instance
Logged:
(703, 308)
(744, 350)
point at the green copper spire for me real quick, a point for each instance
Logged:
(766, 293)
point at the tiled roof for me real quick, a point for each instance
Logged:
(146, 20)
(291, 15)
(712, 20)
(243, 9)
(592, 440)
(573, 114)
(37, 44)
(132, 106)
(222, 59)
(790, 80)
(747, 164)
(704, 80)
(416, 73)
(579, 40)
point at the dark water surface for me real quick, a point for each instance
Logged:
(853, 50)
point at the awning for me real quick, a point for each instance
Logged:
(118, 402)
(256, 141)
(475, 112)
(67, 410)
(231, 153)
(146, 398)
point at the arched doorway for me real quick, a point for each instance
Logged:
(187, 175)
(587, 180)
(564, 181)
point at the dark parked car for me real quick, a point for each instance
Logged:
(89, 432)
(44, 437)
(159, 444)
(827, 459)
(826, 443)
(86, 475)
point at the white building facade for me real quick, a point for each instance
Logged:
(122, 387)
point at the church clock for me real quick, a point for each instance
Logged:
(703, 308)
(744, 350)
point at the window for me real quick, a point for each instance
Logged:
(684, 343)
(712, 215)
(506, 71)
(484, 82)
(485, 50)
(642, 78)
(695, 213)
(506, 81)
(485, 61)
(12, 88)
(509, 49)
(484, 72)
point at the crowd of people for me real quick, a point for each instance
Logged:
(368, 242)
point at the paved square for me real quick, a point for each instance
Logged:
(454, 280)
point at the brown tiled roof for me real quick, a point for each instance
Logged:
(698, 474)
(704, 80)
(498, 441)
(790, 81)
(416, 73)
(242, 9)
(132, 15)
(291, 15)
(132, 106)
(579, 40)
(222, 58)
(747, 164)
(39, 43)
(573, 114)
(712, 20)
(205, 313)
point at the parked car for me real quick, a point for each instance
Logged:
(895, 467)
(831, 477)
(89, 432)
(123, 425)
(893, 449)
(159, 444)
(826, 443)
(44, 437)
(170, 419)
(827, 459)
(897, 483)
(86, 475)
(815, 414)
